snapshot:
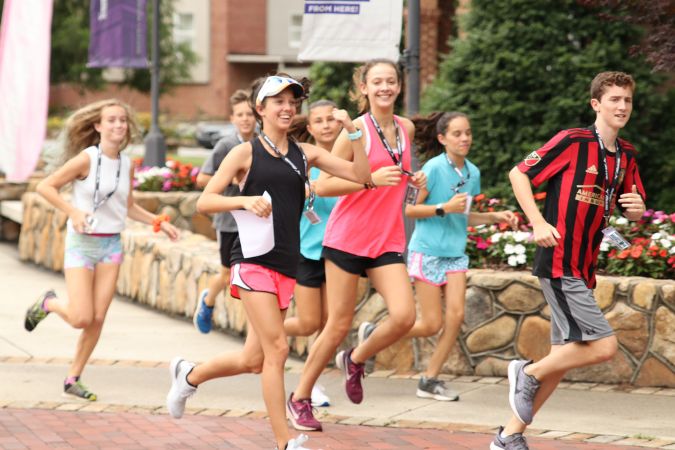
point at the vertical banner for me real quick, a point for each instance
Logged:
(118, 30)
(351, 30)
(25, 45)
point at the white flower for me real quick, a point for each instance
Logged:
(672, 250)
(521, 236)
(521, 258)
(621, 221)
(604, 246)
(509, 249)
(656, 236)
(657, 221)
(513, 261)
(519, 249)
(665, 243)
(495, 237)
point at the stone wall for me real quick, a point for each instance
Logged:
(506, 315)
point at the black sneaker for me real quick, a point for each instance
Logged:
(436, 389)
(78, 390)
(35, 313)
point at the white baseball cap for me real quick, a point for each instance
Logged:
(275, 84)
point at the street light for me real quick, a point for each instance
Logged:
(155, 146)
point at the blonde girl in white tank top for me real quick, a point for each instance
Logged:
(102, 199)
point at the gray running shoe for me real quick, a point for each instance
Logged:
(436, 389)
(514, 441)
(180, 388)
(522, 389)
(35, 313)
(79, 391)
(365, 330)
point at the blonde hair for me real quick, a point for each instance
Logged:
(80, 132)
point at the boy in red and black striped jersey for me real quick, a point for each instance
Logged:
(586, 170)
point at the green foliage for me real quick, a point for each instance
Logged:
(522, 73)
(70, 44)
(332, 81)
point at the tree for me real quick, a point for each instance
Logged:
(333, 81)
(657, 16)
(70, 46)
(522, 74)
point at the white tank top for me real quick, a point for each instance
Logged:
(111, 215)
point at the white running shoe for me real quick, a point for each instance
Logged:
(180, 388)
(319, 397)
(296, 444)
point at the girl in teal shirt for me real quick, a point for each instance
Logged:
(436, 253)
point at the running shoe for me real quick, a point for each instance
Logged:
(319, 397)
(180, 388)
(514, 441)
(36, 314)
(203, 315)
(365, 330)
(296, 444)
(79, 391)
(301, 415)
(353, 374)
(522, 389)
(436, 389)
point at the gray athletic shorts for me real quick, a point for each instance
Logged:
(575, 315)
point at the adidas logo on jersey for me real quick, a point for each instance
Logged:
(592, 169)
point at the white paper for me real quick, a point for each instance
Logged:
(467, 208)
(256, 234)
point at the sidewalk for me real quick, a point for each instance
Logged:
(130, 377)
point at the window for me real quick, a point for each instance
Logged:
(295, 31)
(184, 29)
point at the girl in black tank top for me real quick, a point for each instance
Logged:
(275, 164)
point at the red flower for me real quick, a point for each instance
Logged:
(479, 198)
(663, 253)
(540, 196)
(624, 254)
(636, 251)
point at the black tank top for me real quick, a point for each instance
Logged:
(271, 174)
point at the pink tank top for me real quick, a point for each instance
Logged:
(370, 222)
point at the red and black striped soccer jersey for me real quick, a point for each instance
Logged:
(571, 162)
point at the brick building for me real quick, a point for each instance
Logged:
(239, 40)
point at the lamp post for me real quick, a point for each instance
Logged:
(155, 146)
(412, 58)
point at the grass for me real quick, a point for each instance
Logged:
(196, 161)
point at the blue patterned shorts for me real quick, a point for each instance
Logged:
(434, 269)
(83, 250)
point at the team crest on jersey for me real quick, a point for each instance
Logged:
(532, 159)
(592, 170)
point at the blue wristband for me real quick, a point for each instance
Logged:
(355, 135)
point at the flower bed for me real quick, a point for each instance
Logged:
(174, 176)
(652, 251)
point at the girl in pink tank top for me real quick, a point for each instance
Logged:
(365, 233)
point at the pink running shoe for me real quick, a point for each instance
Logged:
(301, 415)
(353, 373)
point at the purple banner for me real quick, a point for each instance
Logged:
(118, 34)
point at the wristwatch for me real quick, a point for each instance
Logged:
(439, 210)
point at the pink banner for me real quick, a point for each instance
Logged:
(25, 40)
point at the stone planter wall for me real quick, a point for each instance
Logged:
(506, 315)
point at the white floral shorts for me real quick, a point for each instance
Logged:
(434, 269)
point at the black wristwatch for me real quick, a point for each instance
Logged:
(439, 210)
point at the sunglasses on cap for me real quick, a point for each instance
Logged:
(275, 84)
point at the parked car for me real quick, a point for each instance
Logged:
(208, 133)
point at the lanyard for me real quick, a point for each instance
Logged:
(462, 180)
(398, 156)
(98, 203)
(610, 188)
(284, 158)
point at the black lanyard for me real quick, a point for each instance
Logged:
(284, 158)
(98, 203)
(398, 156)
(610, 188)
(462, 180)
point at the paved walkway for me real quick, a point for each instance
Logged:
(130, 376)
